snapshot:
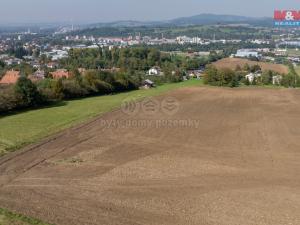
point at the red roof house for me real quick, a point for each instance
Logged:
(60, 74)
(10, 77)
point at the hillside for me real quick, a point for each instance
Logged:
(208, 19)
(222, 157)
(232, 63)
(201, 19)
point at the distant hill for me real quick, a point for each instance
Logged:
(208, 19)
(125, 23)
(201, 19)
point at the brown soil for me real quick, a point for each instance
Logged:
(232, 63)
(239, 167)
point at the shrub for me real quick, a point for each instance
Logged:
(47, 88)
(119, 85)
(58, 89)
(102, 87)
(27, 93)
(211, 75)
(222, 77)
(8, 100)
(266, 77)
(290, 80)
(175, 77)
(255, 68)
(72, 89)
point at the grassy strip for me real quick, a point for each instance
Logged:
(22, 128)
(10, 218)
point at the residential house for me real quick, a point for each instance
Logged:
(4, 56)
(57, 54)
(35, 64)
(276, 80)
(246, 53)
(251, 76)
(10, 77)
(37, 76)
(269, 58)
(191, 74)
(195, 73)
(155, 71)
(13, 61)
(52, 65)
(280, 52)
(148, 84)
(62, 73)
(294, 59)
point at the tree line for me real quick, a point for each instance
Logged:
(234, 78)
(27, 94)
(106, 71)
(127, 59)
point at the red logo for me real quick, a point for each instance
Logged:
(286, 15)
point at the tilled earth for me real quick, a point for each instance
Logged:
(199, 156)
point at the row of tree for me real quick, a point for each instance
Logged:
(25, 93)
(127, 59)
(132, 64)
(234, 78)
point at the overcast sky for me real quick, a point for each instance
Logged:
(24, 11)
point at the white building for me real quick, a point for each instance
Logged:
(251, 76)
(258, 41)
(12, 61)
(276, 80)
(280, 52)
(269, 58)
(57, 54)
(196, 40)
(184, 39)
(246, 53)
(155, 71)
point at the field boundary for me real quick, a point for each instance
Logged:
(52, 137)
(19, 217)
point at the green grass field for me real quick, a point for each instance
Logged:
(20, 129)
(9, 218)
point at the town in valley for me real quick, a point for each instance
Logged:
(169, 112)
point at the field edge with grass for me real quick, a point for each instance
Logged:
(23, 128)
(10, 218)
